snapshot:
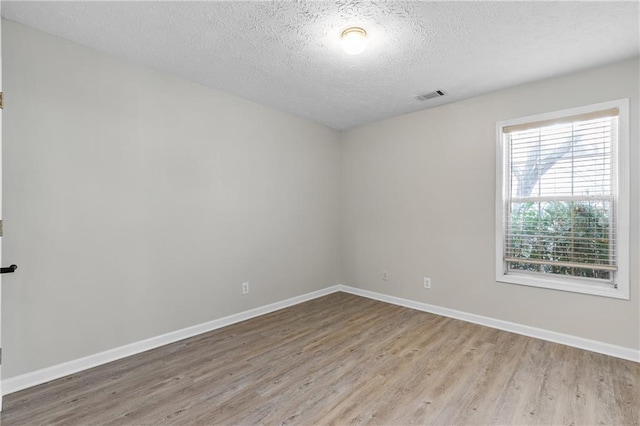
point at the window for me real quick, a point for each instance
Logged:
(562, 200)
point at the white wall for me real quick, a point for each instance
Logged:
(136, 203)
(419, 200)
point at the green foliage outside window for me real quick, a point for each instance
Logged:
(561, 231)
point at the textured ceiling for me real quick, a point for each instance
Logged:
(287, 55)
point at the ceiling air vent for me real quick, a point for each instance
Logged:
(430, 95)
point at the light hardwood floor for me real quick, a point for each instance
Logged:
(343, 359)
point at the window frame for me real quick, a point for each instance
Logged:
(622, 206)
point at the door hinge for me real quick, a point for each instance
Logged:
(1, 100)
(1, 233)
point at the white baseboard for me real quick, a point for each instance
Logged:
(44, 375)
(551, 336)
(14, 384)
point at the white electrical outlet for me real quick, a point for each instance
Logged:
(427, 282)
(245, 288)
(385, 276)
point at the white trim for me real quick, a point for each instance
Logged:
(564, 283)
(48, 374)
(538, 333)
(14, 384)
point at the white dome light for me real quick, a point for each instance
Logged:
(354, 40)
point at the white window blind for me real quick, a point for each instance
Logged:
(560, 193)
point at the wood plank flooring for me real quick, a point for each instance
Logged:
(343, 359)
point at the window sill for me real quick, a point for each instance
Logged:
(564, 284)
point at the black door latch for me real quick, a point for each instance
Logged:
(8, 270)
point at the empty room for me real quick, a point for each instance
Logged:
(320, 212)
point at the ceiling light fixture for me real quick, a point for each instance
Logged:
(354, 40)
